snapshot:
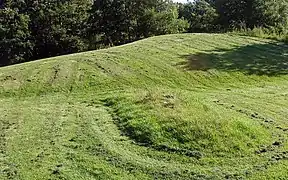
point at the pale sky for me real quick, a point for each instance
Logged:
(181, 1)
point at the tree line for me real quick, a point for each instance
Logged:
(35, 29)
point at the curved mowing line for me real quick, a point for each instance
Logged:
(121, 152)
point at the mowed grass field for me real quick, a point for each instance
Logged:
(193, 106)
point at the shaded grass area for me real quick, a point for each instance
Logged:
(170, 107)
(269, 59)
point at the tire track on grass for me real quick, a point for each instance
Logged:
(121, 152)
(274, 151)
(7, 169)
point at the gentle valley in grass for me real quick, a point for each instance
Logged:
(186, 106)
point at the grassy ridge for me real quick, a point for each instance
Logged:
(175, 107)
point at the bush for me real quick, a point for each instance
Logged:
(267, 33)
(15, 46)
(201, 16)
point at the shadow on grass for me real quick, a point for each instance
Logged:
(259, 59)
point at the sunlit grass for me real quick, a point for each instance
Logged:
(194, 106)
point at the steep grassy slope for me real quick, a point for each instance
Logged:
(169, 107)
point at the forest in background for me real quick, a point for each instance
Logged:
(35, 29)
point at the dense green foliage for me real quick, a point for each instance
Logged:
(122, 21)
(57, 27)
(201, 16)
(189, 106)
(230, 14)
(14, 33)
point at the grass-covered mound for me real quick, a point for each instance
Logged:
(187, 123)
(170, 107)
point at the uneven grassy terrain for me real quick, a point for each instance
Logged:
(170, 107)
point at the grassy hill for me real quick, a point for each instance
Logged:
(193, 106)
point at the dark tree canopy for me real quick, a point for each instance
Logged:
(122, 21)
(233, 14)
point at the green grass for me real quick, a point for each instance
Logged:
(193, 106)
